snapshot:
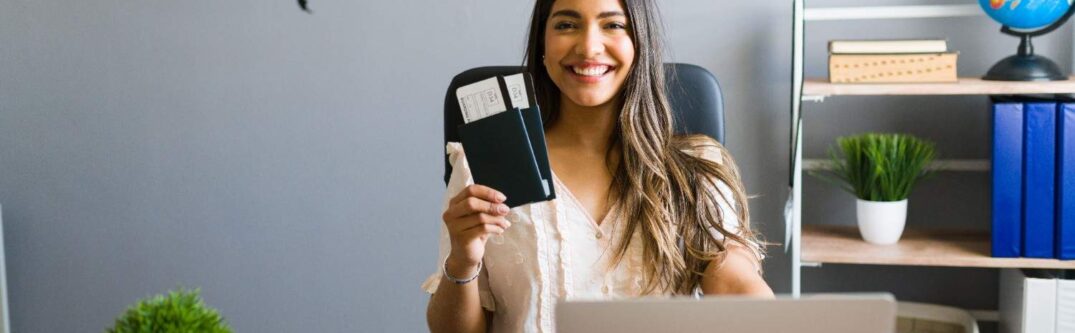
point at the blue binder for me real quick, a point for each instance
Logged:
(1065, 179)
(1007, 179)
(1039, 165)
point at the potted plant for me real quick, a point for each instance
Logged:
(180, 311)
(880, 170)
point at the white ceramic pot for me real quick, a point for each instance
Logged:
(881, 222)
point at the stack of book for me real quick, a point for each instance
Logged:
(1034, 178)
(891, 61)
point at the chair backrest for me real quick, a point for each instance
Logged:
(693, 92)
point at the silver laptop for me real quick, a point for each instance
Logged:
(829, 313)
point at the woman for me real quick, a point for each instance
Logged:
(639, 211)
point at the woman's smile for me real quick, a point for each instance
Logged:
(589, 72)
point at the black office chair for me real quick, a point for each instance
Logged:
(693, 92)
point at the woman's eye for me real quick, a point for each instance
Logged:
(563, 26)
(616, 25)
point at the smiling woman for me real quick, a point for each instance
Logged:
(643, 211)
(579, 59)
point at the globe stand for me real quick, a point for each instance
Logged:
(1025, 65)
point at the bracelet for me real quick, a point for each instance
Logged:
(460, 281)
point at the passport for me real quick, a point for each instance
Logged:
(504, 138)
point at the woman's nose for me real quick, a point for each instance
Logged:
(592, 43)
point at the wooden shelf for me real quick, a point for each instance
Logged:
(917, 247)
(814, 89)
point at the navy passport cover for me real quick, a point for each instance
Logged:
(1065, 181)
(506, 152)
(1007, 179)
(1039, 163)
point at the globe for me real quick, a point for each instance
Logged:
(1025, 14)
(1026, 19)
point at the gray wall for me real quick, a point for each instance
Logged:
(290, 164)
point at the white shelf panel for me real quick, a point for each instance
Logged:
(891, 12)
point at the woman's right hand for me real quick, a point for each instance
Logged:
(475, 214)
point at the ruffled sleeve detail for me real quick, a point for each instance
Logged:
(459, 179)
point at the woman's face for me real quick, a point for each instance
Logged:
(588, 49)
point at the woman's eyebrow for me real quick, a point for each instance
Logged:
(610, 14)
(574, 14)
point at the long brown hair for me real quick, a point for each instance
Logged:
(666, 191)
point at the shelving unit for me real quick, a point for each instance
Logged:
(812, 245)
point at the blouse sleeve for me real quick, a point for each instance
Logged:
(731, 221)
(459, 179)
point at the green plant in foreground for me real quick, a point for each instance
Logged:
(181, 311)
(879, 167)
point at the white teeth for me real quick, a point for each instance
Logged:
(591, 71)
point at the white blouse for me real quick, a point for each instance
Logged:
(553, 251)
